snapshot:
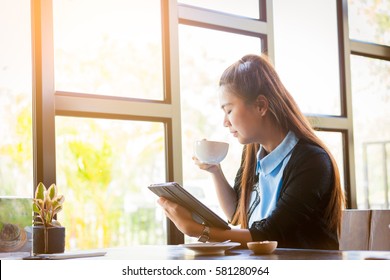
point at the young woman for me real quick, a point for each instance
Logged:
(288, 185)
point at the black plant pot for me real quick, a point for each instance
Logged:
(48, 240)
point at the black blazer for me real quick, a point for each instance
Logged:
(298, 219)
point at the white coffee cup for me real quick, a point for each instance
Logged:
(210, 152)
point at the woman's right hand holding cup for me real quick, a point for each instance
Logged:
(209, 154)
(212, 168)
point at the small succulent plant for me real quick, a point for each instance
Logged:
(46, 204)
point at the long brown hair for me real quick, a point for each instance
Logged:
(248, 78)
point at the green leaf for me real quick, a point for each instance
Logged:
(48, 218)
(60, 199)
(36, 208)
(38, 223)
(52, 191)
(55, 223)
(39, 203)
(54, 204)
(57, 209)
(40, 191)
(48, 202)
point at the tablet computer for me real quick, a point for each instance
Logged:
(200, 212)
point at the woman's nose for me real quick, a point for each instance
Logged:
(226, 122)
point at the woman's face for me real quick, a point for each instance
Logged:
(243, 120)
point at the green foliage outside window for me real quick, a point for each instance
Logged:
(103, 168)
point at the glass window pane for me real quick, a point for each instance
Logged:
(334, 142)
(369, 20)
(204, 55)
(103, 169)
(109, 47)
(371, 121)
(16, 163)
(306, 55)
(247, 8)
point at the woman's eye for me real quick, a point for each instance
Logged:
(228, 112)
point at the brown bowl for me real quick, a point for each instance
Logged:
(262, 247)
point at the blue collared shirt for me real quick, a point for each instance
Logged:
(270, 169)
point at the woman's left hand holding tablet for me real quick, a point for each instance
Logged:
(181, 217)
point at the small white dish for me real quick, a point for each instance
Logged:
(211, 248)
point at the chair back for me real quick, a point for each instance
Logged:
(355, 230)
(380, 230)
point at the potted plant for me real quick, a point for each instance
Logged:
(48, 234)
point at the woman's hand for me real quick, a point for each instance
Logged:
(212, 168)
(181, 217)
